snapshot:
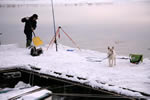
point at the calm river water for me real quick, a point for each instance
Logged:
(125, 26)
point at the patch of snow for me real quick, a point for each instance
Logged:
(36, 95)
(12, 92)
(21, 84)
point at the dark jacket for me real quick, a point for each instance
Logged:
(29, 24)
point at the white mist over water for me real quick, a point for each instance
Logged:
(125, 26)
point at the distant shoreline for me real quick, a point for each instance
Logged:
(61, 4)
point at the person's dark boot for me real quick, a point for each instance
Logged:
(28, 44)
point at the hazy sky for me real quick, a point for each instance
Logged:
(67, 1)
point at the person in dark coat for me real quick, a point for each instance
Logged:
(30, 26)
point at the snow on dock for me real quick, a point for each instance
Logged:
(25, 91)
(125, 78)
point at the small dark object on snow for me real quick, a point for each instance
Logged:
(36, 52)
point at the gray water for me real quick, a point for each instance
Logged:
(95, 27)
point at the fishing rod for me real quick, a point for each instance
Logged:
(54, 24)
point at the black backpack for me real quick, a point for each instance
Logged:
(36, 52)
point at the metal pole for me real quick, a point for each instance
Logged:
(54, 24)
(0, 40)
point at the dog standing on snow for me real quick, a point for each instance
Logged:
(111, 56)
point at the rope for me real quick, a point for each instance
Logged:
(70, 38)
(58, 35)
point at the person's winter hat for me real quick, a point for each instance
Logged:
(35, 16)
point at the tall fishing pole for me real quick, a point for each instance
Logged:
(54, 24)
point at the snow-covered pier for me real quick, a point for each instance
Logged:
(78, 68)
